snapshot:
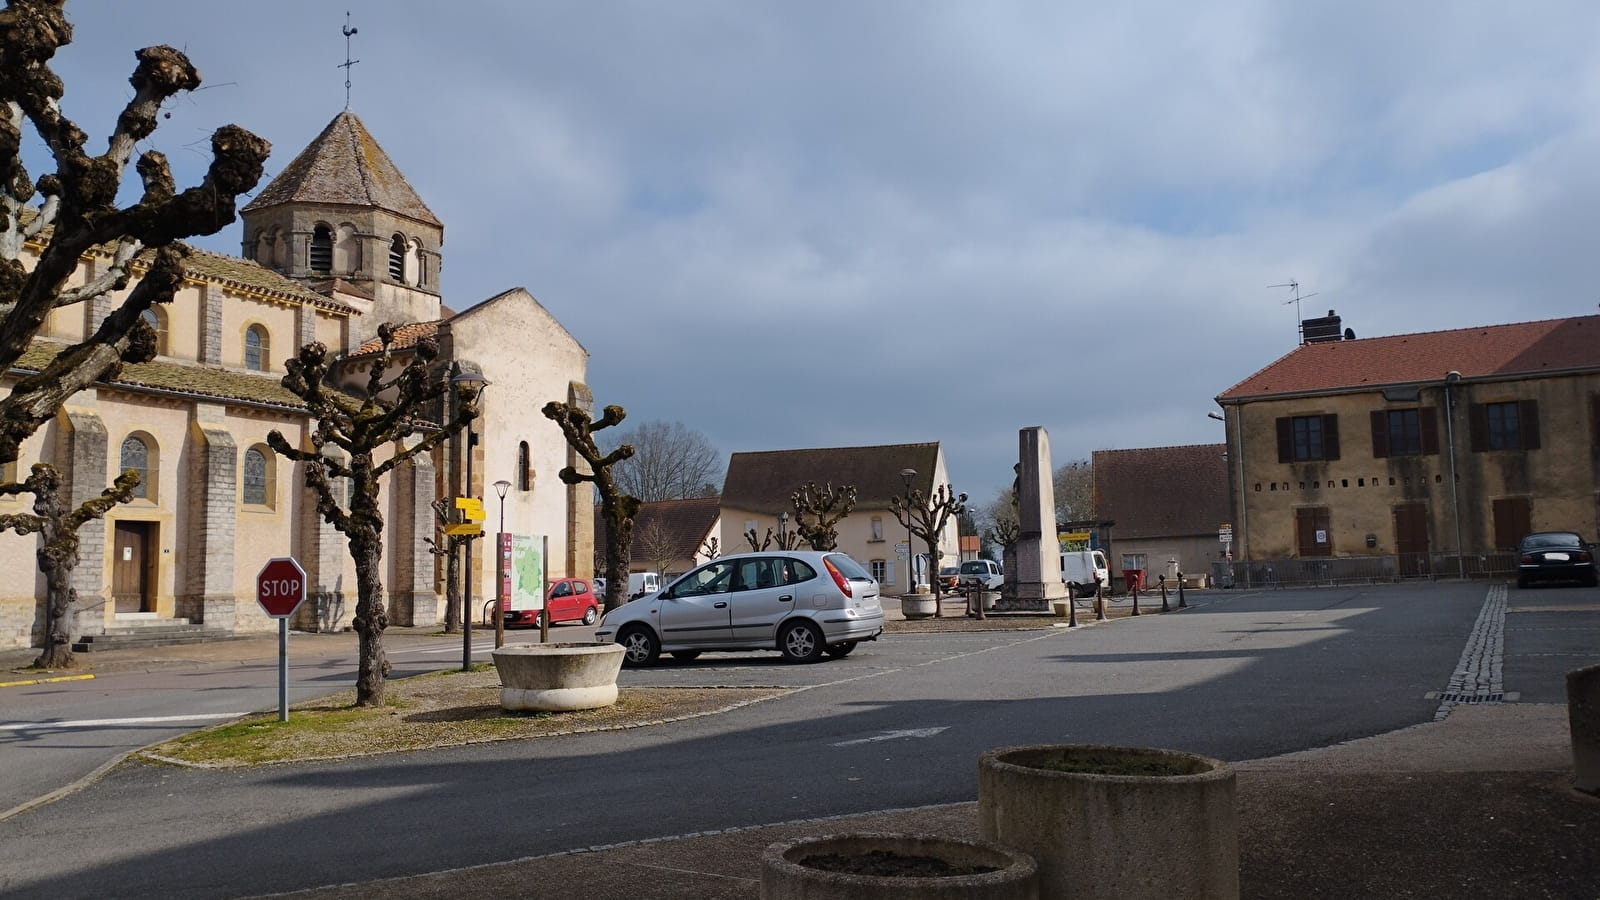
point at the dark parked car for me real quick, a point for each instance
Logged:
(1555, 556)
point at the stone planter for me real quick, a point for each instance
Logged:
(1583, 720)
(1131, 822)
(558, 677)
(859, 866)
(918, 606)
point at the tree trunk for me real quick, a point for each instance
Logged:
(61, 607)
(933, 577)
(452, 587)
(372, 615)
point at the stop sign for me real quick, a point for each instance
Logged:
(281, 587)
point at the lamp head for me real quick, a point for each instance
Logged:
(501, 486)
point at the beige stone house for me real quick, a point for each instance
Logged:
(1437, 451)
(1166, 505)
(757, 490)
(337, 243)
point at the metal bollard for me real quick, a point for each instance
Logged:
(1099, 601)
(1181, 603)
(1134, 590)
(1161, 581)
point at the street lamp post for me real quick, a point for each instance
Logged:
(470, 382)
(500, 487)
(911, 567)
(1450, 380)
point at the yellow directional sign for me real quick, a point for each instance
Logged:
(471, 508)
(472, 528)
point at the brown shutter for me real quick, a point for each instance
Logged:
(1528, 422)
(1330, 436)
(1594, 419)
(1380, 434)
(1285, 439)
(1430, 430)
(1477, 427)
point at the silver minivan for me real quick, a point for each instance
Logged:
(802, 603)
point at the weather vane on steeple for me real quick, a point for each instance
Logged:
(348, 62)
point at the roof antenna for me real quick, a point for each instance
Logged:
(1295, 286)
(348, 62)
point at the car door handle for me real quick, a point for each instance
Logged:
(786, 598)
(720, 604)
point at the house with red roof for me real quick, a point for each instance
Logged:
(1164, 506)
(1437, 450)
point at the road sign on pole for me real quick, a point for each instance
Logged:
(280, 589)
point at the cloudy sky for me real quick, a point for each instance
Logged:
(820, 223)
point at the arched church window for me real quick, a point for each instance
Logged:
(524, 468)
(136, 456)
(256, 347)
(397, 258)
(257, 477)
(157, 320)
(322, 249)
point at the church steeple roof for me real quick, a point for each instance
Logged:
(345, 165)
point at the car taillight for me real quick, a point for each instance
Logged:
(839, 579)
(1582, 556)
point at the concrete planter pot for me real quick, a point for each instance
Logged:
(918, 606)
(1114, 823)
(558, 677)
(794, 870)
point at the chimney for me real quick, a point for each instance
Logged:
(1321, 330)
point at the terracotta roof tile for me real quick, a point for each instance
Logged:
(405, 337)
(1162, 491)
(345, 165)
(763, 481)
(1551, 345)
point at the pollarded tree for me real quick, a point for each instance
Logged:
(925, 517)
(617, 508)
(57, 528)
(361, 428)
(77, 212)
(827, 506)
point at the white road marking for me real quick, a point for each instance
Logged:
(895, 735)
(102, 723)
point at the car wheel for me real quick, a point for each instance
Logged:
(639, 646)
(840, 651)
(590, 615)
(538, 618)
(801, 642)
(686, 655)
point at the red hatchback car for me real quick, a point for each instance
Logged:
(567, 599)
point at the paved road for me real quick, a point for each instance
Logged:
(52, 734)
(899, 724)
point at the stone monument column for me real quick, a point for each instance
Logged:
(1036, 578)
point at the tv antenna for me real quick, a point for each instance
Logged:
(1294, 286)
(348, 62)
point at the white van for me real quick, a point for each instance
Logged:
(641, 583)
(1079, 568)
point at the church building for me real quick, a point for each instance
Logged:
(335, 245)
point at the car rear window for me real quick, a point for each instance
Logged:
(1552, 540)
(847, 567)
(975, 568)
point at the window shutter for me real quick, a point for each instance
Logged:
(1380, 434)
(1430, 430)
(1528, 423)
(1330, 436)
(1594, 419)
(1285, 439)
(1478, 427)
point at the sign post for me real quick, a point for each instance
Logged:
(280, 589)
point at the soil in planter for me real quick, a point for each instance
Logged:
(1113, 765)
(885, 864)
